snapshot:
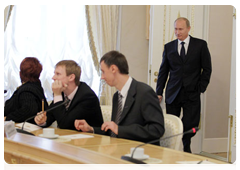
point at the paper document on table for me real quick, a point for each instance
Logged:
(77, 136)
(28, 126)
(212, 167)
(195, 162)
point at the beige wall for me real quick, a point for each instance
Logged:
(134, 44)
(217, 96)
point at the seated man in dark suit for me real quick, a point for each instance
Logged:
(83, 104)
(136, 113)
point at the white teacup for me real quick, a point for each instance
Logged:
(138, 153)
(48, 132)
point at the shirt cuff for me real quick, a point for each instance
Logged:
(57, 99)
(43, 124)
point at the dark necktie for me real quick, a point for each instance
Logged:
(182, 52)
(119, 112)
(68, 103)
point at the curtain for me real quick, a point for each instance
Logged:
(50, 33)
(8, 10)
(91, 42)
(104, 24)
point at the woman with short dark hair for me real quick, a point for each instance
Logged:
(26, 101)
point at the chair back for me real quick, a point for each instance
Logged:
(173, 126)
(106, 112)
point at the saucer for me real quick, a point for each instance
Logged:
(50, 137)
(142, 158)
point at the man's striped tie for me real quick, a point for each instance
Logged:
(119, 112)
(66, 104)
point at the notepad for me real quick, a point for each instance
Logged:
(28, 126)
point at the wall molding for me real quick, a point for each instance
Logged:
(214, 145)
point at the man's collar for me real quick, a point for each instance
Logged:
(70, 96)
(126, 87)
(186, 40)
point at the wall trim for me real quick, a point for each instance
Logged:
(214, 145)
(203, 95)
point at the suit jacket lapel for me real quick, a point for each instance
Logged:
(189, 51)
(190, 48)
(176, 50)
(115, 105)
(129, 100)
(74, 101)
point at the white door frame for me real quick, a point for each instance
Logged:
(231, 157)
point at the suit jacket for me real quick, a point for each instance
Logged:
(85, 105)
(142, 117)
(193, 73)
(25, 102)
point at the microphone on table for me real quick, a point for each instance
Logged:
(48, 110)
(136, 161)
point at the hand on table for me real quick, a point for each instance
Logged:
(83, 126)
(110, 125)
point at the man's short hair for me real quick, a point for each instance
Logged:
(116, 58)
(71, 68)
(185, 19)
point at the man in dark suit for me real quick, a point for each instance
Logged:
(187, 62)
(136, 113)
(84, 103)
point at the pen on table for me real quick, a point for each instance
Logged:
(201, 161)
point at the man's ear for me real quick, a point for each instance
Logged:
(114, 68)
(72, 77)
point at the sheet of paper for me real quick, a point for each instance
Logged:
(28, 126)
(77, 136)
(210, 167)
(195, 162)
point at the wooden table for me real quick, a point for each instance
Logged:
(99, 149)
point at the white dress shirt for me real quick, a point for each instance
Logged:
(124, 91)
(70, 96)
(187, 40)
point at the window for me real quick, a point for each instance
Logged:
(49, 33)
